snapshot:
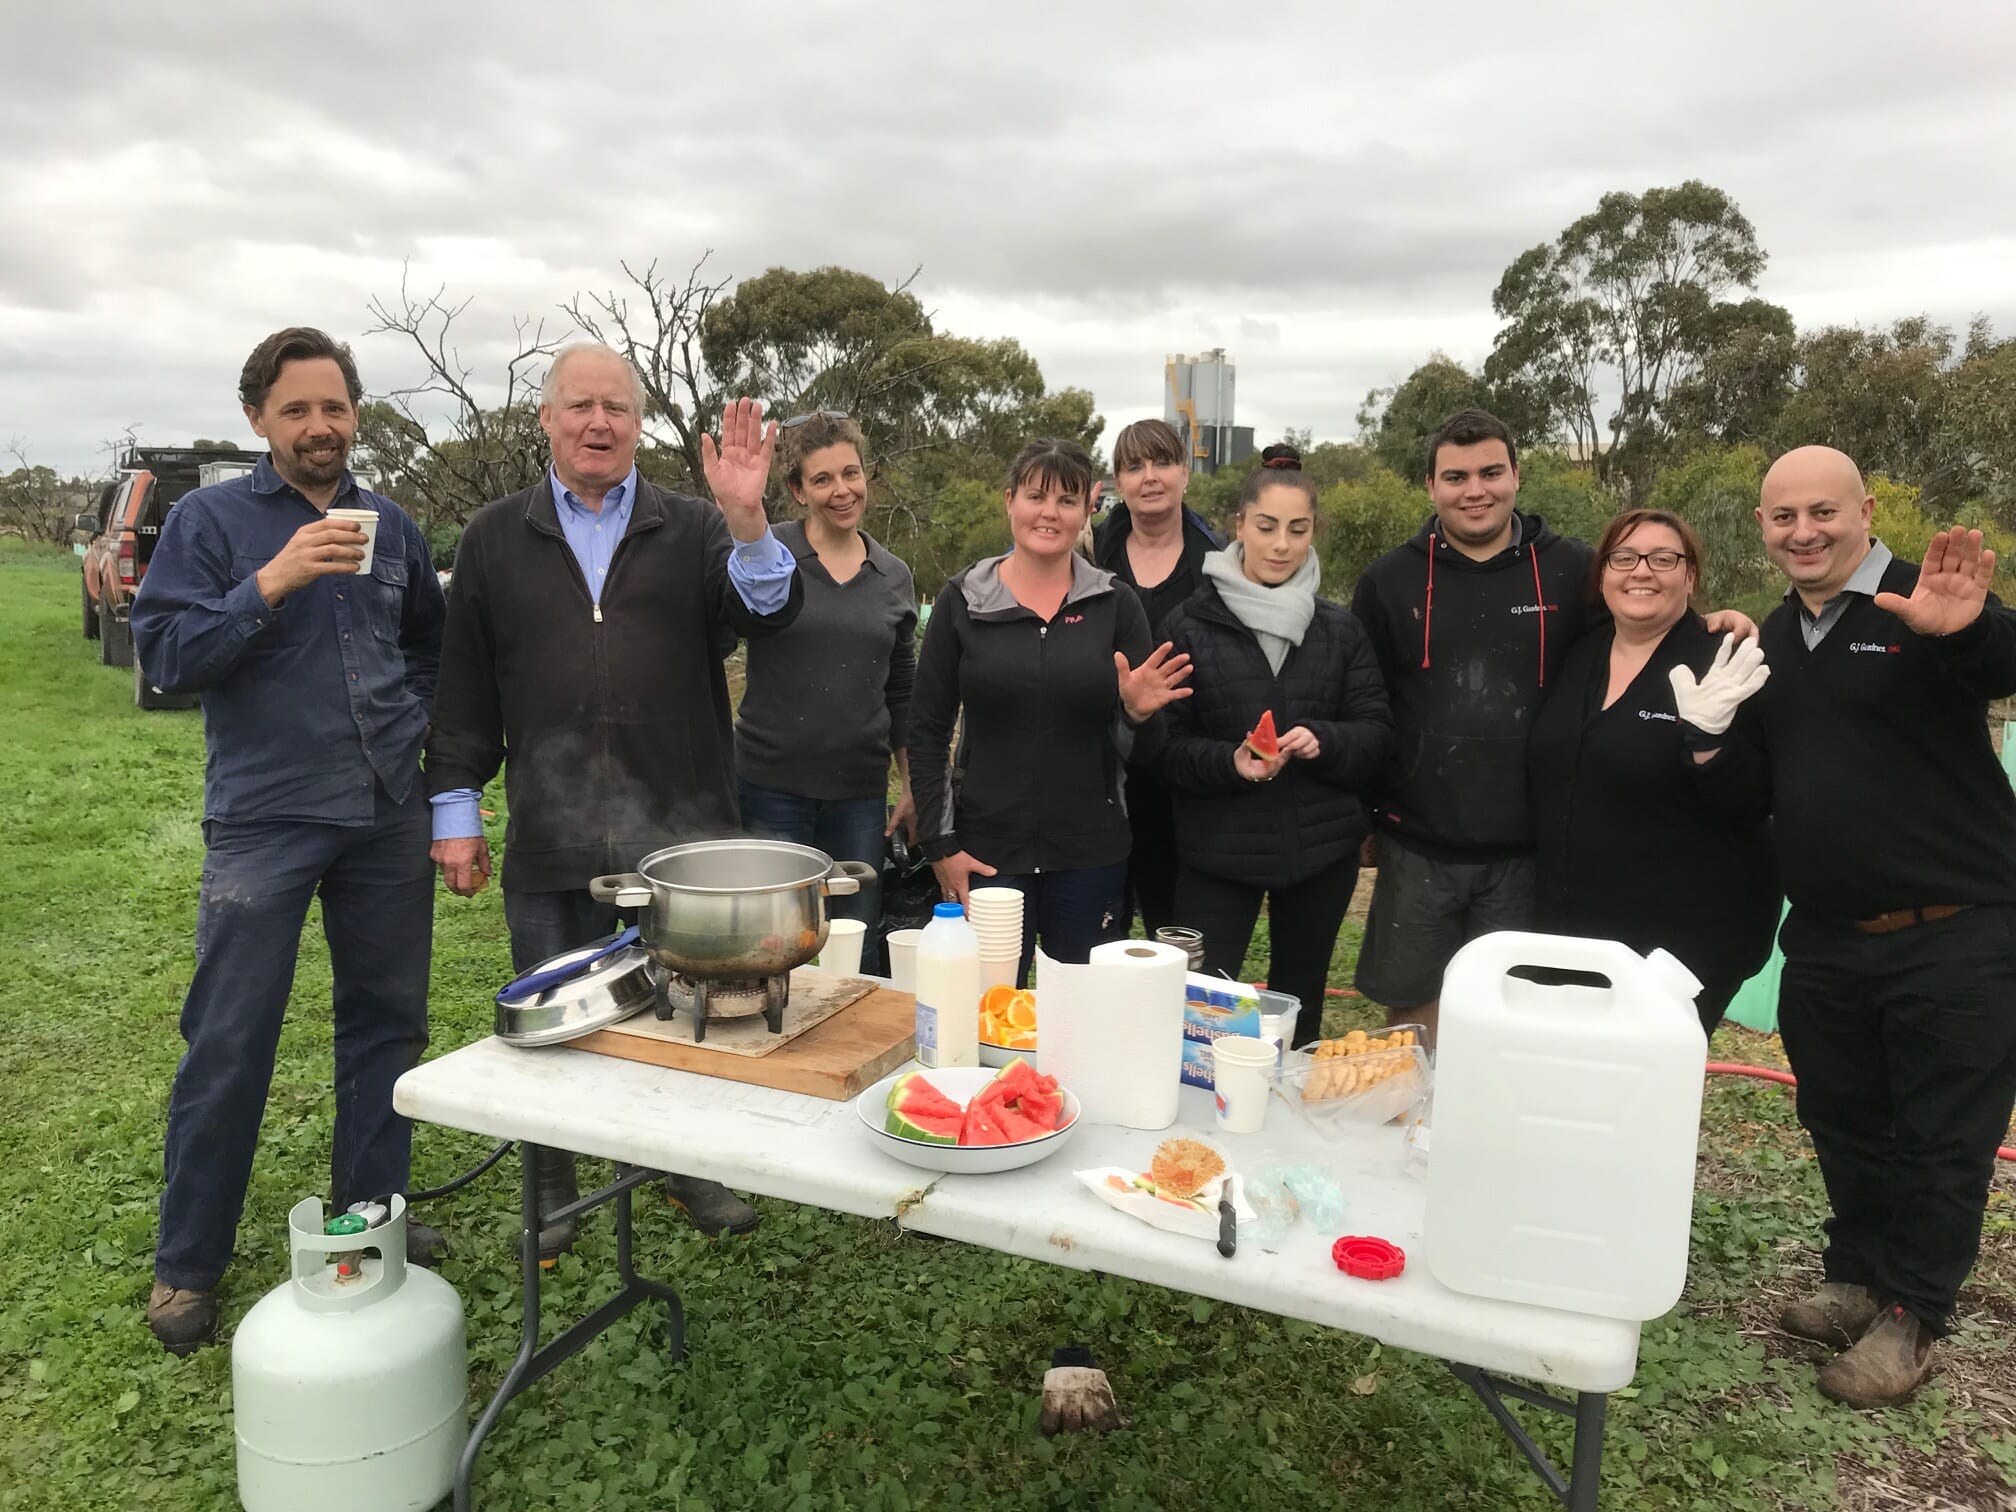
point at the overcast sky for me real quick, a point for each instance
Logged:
(1330, 192)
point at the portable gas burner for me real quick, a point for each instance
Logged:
(724, 998)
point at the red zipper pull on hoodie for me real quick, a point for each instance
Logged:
(1428, 610)
(1540, 610)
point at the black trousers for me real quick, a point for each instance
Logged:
(1152, 863)
(1302, 924)
(1905, 1049)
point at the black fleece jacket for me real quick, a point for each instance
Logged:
(616, 721)
(1635, 841)
(1885, 789)
(1044, 730)
(1467, 649)
(1109, 550)
(1273, 834)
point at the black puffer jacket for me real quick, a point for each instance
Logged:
(1273, 834)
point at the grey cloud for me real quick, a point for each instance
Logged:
(1311, 187)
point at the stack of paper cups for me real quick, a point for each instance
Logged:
(996, 916)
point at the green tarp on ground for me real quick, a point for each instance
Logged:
(1756, 1003)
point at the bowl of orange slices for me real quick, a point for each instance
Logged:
(1007, 1024)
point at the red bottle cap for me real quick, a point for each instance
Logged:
(1368, 1258)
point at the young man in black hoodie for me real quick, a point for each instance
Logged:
(1469, 620)
(1895, 829)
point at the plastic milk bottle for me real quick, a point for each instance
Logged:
(948, 990)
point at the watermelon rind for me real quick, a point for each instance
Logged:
(925, 1128)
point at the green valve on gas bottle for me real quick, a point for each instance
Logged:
(345, 1223)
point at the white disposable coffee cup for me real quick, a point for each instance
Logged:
(1242, 1071)
(842, 955)
(902, 947)
(998, 971)
(365, 520)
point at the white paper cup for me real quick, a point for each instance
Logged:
(842, 955)
(1242, 1069)
(984, 899)
(365, 520)
(996, 972)
(997, 941)
(902, 947)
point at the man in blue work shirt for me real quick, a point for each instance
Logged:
(587, 627)
(316, 679)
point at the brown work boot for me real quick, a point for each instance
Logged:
(183, 1319)
(1839, 1313)
(1887, 1364)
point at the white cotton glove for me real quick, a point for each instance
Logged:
(1710, 704)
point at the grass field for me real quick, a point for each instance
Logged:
(834, 1362)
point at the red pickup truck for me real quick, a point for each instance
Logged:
(131, 511)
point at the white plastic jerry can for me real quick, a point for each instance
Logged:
(350, 1383)
(1566, 1121)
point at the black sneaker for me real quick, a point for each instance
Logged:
(713, 1208)
(183, 1319)
(425, 1246)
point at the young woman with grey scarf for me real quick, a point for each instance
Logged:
(1284, 830)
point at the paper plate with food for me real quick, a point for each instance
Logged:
(1182, 1191)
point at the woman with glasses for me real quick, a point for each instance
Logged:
(1635, 841)
(827, 703)
(1046, 663)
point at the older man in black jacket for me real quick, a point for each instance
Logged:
(587, 627)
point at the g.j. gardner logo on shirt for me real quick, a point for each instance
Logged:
(1659, 714)
(1877, 646)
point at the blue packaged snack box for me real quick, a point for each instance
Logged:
(1213, 1008)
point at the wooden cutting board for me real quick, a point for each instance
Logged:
(835, 1059)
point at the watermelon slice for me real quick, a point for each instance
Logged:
(926, 1128)
(1261, 739)
(1018, 1126)
(982, 1127)
(912, 1093)
(1018, 1089)
(919, 1111)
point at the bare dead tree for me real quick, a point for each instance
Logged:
(656, 323)
(32, 499)
(486, 452)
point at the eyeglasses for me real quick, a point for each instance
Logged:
(813, 415)
(1624, 559)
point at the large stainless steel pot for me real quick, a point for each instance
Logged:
(724, 909)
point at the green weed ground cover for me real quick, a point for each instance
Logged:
(834, 1362)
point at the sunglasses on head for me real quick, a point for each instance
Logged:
(812, 415)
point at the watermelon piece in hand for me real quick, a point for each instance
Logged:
(1261, 739)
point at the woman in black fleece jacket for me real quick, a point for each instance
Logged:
(1286, 830)
(1048, 657)
(1635, 842)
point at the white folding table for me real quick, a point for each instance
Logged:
(650, 1119)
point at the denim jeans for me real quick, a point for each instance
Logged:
(377, 890)
(847, 829)
(1069, 911)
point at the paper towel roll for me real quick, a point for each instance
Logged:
(1112, 1030)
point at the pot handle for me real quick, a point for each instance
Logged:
(573, 963)
(847, 878)
(624, 889)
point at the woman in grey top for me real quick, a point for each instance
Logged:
(828, 701)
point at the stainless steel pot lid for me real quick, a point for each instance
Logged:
(576, 993)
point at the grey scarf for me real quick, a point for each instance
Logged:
(1278, 617)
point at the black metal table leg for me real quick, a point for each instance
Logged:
(533, 1363)
(1576, 1491)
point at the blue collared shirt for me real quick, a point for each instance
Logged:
(309, 706)
(760, 570)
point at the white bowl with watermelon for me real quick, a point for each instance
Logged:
(969, 1120)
